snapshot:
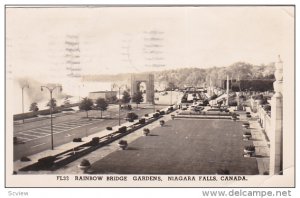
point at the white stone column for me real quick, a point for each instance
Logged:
(238, 98)
(276, 134)
(210, 87)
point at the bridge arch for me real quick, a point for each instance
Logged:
(148, 79)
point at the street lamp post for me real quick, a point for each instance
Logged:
(23, 99)
(119, 106)
(51, 89)
(171, 96)
(154, 102)
(119, 101)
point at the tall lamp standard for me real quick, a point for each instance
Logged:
(119, 106)
(23, 98)
(51, 89)
(119, 101)
(171, 96)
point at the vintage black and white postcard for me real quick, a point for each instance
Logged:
(150, 96)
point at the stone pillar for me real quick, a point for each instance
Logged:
(133, 86)
(150, 89)
(276, 134)
(227, 90)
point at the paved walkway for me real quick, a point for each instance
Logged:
(262, 150)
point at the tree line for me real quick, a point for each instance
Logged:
(87, 104)
(195, 76)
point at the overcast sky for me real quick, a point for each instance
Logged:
(115, 40)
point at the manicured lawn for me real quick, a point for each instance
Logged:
(183, 147)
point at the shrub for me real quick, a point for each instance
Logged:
(162, 122)
(246, 124)
(248, 116)
(142, 121)
(123, 144)
(223, 171)
(250, 148)
(247, 133)
(205, 102)
(155, 115)
(85, 162)
(109, 128)
(25, 159)
(131, 116)
(146, 131)
(95, 141)
(146, 115)
(46, 161)
(162, 113)
(122, 129)
(77, 140)
(267, 107)
(157, 111)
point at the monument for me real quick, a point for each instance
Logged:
(148, 79)
(276, 135)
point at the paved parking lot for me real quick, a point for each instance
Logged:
(32, 134)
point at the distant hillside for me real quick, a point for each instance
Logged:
(197, 76)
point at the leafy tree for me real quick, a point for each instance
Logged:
(101, 105)
(33, 107)
(86, 104)
(112, 99)
(126, 97)
(138, 98)
(171, 86)
(52, 103)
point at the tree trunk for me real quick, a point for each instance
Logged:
(101, 114)
(87, 114)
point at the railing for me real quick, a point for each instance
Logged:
(28, 115)
(264, 119)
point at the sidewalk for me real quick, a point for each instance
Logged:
(261, 145)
